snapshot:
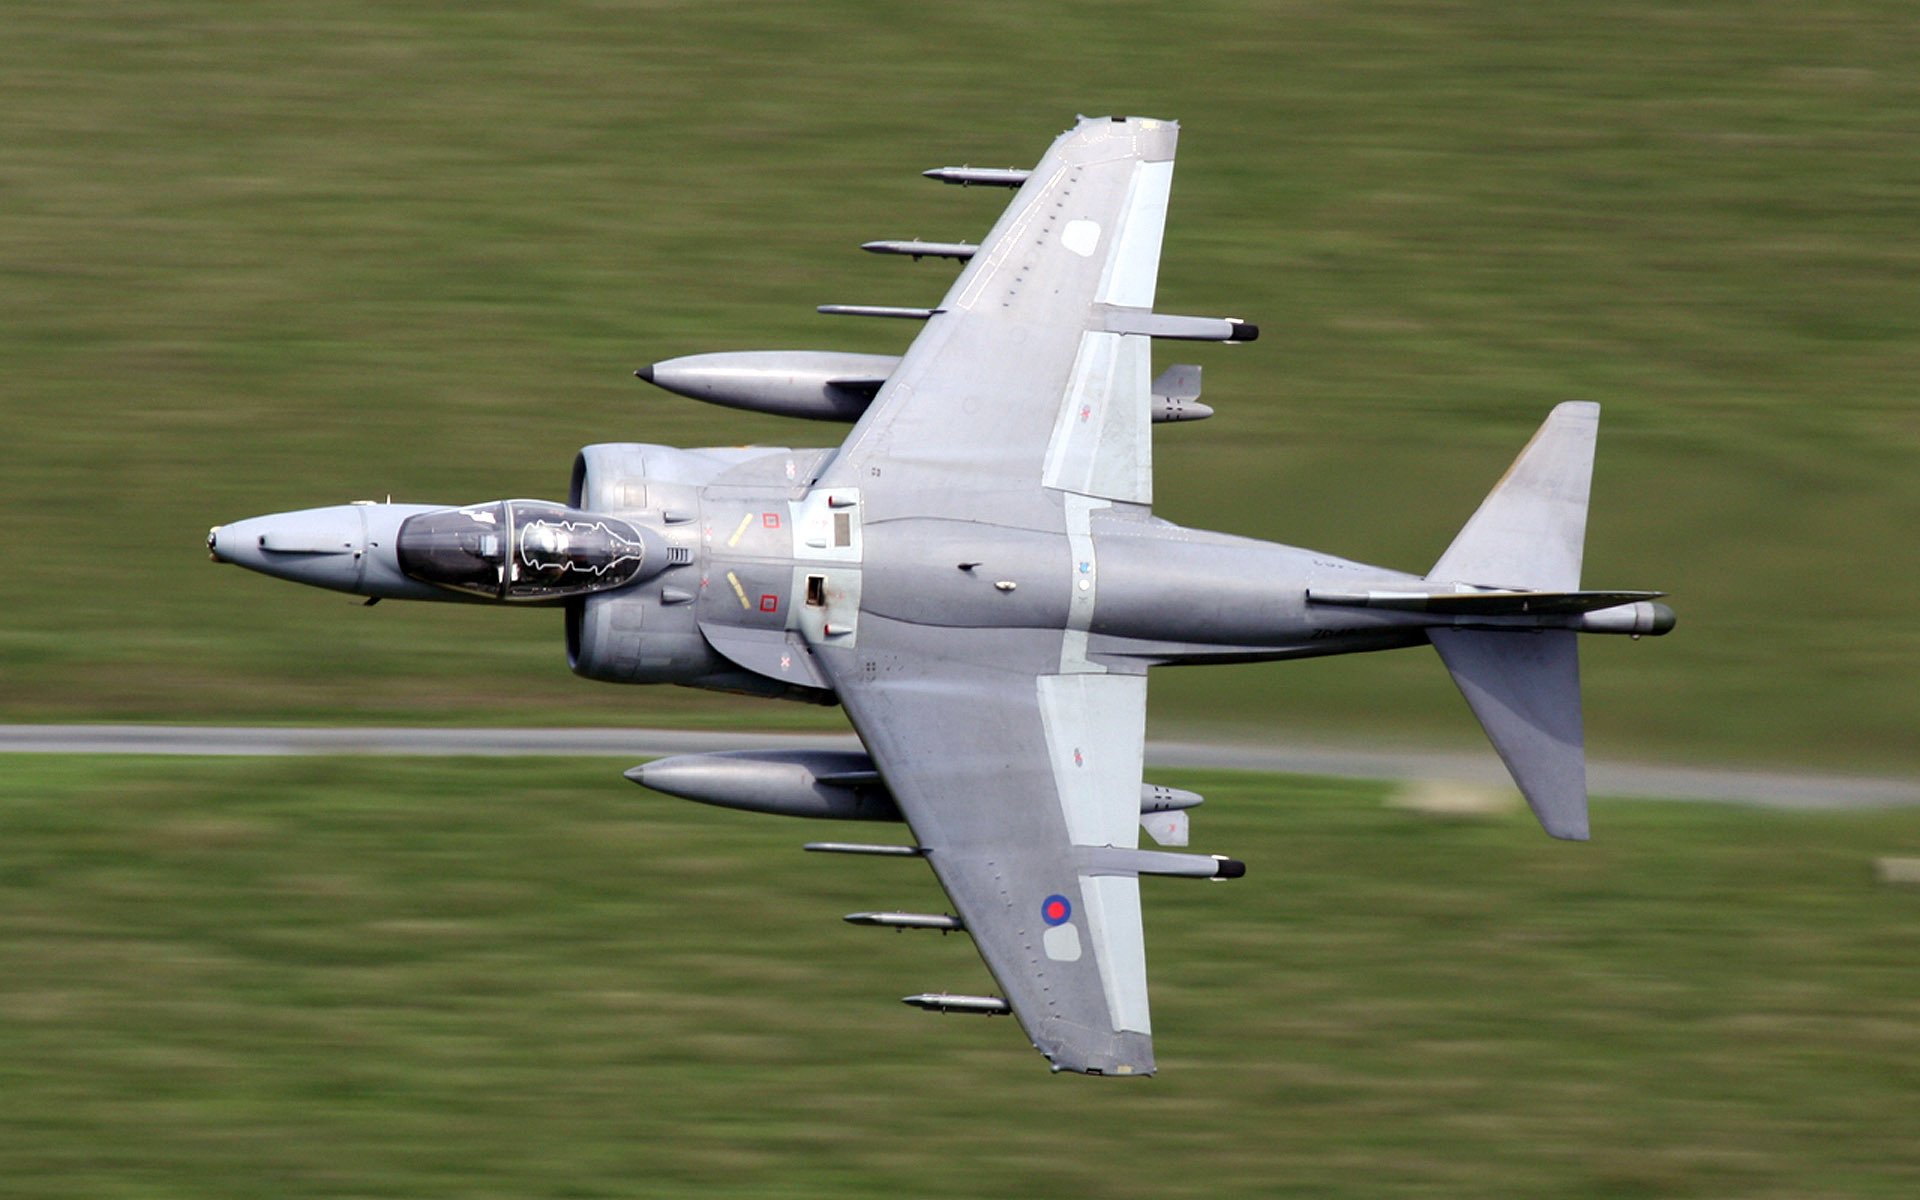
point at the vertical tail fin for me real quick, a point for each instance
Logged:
(1531, 530)
(1524, 686)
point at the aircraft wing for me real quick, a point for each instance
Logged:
(1035, 370)
(1021, 410)
(1023, 790)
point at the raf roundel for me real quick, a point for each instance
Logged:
(1055, 910)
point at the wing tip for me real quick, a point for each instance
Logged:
(1123, 1054)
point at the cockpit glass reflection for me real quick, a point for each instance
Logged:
(561, 551)
(520, 550)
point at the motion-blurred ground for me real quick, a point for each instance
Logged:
(256, 257)
(519, 978)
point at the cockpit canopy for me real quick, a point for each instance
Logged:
(523, 550)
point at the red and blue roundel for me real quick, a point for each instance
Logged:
(1055, 909)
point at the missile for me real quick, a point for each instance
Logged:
(1007, 177)
(838, 784)
(895, 311)
(906, 920)
(947, 1002)
(867, 848)
(825, 385)
(918, 250)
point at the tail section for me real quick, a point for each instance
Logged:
(1531, 530)
(1529, 534)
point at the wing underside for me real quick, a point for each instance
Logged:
(1023, 406)
(1023, 791)
(1031, 373)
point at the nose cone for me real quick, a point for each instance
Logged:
(345, 547)
(321, 546)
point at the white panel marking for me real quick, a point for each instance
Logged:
(815, 530)
(1085, 590)
(1096, 731)
(1102, 442)
(1062, 943)
(1133, 267)
(1081, 236)
(1112, 904)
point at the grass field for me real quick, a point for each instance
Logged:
(324, 977)
(262, 257)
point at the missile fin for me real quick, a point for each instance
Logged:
(1167, 828)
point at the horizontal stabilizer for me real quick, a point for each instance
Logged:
(1525, 688)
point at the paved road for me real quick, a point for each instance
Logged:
(1766, 788)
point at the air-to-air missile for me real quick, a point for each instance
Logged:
(1006, 177)
(917, 250)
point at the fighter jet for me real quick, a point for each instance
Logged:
(976, 575)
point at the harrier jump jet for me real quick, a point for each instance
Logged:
(977, 577)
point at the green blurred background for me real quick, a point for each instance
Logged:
(353, 978)
(265, 256)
